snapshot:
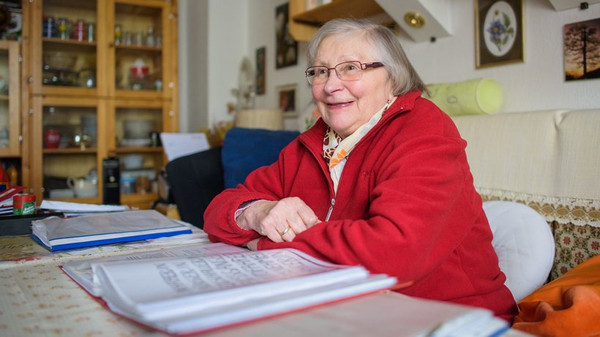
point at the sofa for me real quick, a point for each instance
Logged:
(549, 161)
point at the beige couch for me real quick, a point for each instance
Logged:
(548, 160)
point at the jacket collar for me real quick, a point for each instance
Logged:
(313, 137)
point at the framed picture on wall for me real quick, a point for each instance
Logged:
(286, 46)
(582, 50)
(287, 100)
(498, 32)
(261, 84)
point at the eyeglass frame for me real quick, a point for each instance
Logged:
(363, 66)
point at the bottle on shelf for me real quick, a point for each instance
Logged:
(13, 175)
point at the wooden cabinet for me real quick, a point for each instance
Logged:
(10, 113)
(10, 125)
(102, 82)
(304, 23)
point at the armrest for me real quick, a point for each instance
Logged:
(194, 181)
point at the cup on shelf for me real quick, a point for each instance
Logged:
(82, 187)
(51, 138)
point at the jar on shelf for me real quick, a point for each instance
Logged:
(91, 32)
(118, 34)
(150, 37)
(138, 39)
(63, 28)
(127, 39)
(49, 28)
(80, 31)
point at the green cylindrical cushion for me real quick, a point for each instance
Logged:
(471, 97)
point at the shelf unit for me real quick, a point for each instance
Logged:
(304, 23)
(85, 89)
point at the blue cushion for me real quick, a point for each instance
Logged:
(245, 150)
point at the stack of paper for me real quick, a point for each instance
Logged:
(76, 208)
(57, 233)
(188, 291)
(6, 199)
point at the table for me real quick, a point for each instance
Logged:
(38, 299)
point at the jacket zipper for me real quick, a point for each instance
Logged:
(330, 209)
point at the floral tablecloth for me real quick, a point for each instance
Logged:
(38, 299)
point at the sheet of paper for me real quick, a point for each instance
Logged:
(182, 144)
(64, 206)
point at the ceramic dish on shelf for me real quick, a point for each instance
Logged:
(133, 161)
(136, 142)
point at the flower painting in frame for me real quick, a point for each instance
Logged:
(498, 32)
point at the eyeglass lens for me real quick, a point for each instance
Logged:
(346, 71)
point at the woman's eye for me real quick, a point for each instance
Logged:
(322, 71)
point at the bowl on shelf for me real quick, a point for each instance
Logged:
(60, 60)
(138, 128)
(133, 161)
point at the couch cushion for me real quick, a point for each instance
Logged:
(524, 244)
(244, 150)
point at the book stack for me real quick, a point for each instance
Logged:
(57, 233)
(185, 290)
(6, 199)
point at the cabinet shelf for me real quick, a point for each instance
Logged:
(66, 43)
(137, 49)
(139, 149)
(74, 150)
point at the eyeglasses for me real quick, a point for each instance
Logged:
(345, 71)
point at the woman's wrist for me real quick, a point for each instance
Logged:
(241, 216)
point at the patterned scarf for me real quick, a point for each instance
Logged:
(336, 149)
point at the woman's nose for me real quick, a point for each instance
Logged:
(333, 82)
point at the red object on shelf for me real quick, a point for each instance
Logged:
(51, 138)
(140, 72)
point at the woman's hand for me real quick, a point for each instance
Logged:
(278, 220)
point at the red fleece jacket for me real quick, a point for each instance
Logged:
(405, 206)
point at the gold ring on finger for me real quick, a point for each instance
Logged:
(287, 229)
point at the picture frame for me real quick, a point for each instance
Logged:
(286, 100)
(261, 78)
(286, 51)
(579, 38)
(499, 36)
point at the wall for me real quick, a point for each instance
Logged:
(536, 84)
(213, 38)
(237, 27)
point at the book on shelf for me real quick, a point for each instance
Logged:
(57, 233)
(212, 287)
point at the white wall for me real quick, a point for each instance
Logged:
(237, 27)
(193, 65)
(536, 84)
(213, 38)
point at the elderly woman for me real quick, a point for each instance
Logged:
(381, 180)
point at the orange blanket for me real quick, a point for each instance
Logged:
(567, 306)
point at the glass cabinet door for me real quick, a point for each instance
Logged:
(68, 32)
(9, 99)
(70, 156)
(137, 128)
(138, 40)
